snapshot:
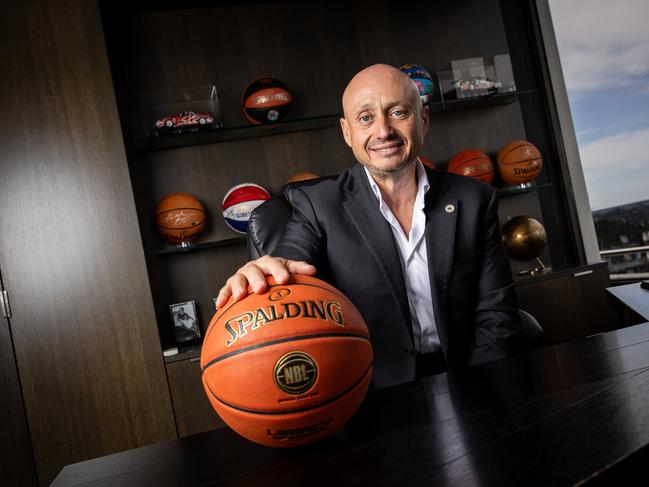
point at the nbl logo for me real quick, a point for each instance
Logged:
(295, 373)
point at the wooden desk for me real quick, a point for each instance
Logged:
(557, 416)
(630, 301)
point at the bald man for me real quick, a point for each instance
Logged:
(418, 251)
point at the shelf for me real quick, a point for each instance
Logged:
(192, 352)
(163, 142)
(201, 246)
(476, 102)
(558, 272)
(520, 189)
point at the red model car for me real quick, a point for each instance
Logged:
(185, 121)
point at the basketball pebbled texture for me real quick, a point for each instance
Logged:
(289, 366)
(519, 162)
(266, 101)
(473, 163)
(179, 217)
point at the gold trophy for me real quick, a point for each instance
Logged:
(525, 239)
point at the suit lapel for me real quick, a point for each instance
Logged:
(441, 217)
(363, 209)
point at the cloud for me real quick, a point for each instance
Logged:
(602, 44)
(615, 168)
(623, 152)
(610, 187)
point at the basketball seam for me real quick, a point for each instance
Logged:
(518, 162)
(176, 209)
(160, 227)
(281, 340)
(512, 149)
(292, 411)
(463, 163)
(470, 160)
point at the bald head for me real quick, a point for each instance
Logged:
(384, 122)
(377, 78)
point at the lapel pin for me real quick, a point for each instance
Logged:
(449, 208)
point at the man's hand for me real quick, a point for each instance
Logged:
(254, 274)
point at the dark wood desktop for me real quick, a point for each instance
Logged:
(630, 302)
(572, 413)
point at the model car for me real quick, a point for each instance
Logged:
(185, 122)
(476, 84)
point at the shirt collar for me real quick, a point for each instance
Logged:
(422, 183)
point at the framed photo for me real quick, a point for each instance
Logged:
(185, 322)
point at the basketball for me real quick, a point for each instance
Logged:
(179, 218)
(473, 163)
(427, 162)
(422, 79)
(519, 162)
(289, 366)
(265, 101)
(239, 202)
(301, 176)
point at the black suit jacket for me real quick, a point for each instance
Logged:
(337, 226)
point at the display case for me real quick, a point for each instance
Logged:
(476, 77)
(182, 111)
(320, 48)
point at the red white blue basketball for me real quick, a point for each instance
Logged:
(239, 202)
(422, 79)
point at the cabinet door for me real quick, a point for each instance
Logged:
(569, 305)
(194, 413)
(16, 461)
(84, 331)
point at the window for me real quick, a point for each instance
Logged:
(603, 50)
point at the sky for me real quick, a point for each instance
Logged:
(604, 51)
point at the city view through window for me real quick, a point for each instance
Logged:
(604, 51)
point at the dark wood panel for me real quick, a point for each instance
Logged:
(85, 335)
(570, 306)
(194, 413)
(16, 461)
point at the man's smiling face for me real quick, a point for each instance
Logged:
(384, 121)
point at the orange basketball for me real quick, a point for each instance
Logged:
(287, 367)
(265, 101)
(301, 176)
(179, 218)
(427, 162)
(519, 162)
(473, 163)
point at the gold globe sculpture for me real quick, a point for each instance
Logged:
(524, 238)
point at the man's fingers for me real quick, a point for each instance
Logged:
(223, 296)
(239, 285)
(254, 274)
(277, 268)
(281, 269)
(300, 267)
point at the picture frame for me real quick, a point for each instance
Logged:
(185, 322)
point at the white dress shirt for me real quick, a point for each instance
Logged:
(414, 263)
